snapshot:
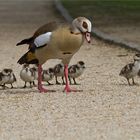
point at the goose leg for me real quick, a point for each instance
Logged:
(3, 86)
(75, 83)
(49, 83)
(133, 81)
(63, 80)
(70, 80)
(57, 83)
(128, 81)
(67, 87)
(12, 86)
(34, 83)
(40, 87)
(24, 85)
(30, 84)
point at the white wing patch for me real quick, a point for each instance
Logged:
(43, 39)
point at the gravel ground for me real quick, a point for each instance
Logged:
(107, 109)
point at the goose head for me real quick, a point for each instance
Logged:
(137, 57)
(82, 25)
(81, 64)
(25, 66)
(7, 71)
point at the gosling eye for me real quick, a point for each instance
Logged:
(85, 25)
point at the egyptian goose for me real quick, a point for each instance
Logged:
(59, 72)
(52, 42)
(131, 70)
(76, 71)
(12, 78)
(27, 74)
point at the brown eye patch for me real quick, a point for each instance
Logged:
(85, 25)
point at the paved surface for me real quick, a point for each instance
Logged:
(107, 109)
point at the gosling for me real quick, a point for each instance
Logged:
(28, 75)
(75, 71)
(131, 70)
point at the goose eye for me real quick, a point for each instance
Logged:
(85, 25)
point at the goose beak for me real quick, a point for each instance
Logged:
(88, 37)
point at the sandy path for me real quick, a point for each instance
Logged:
(107, 109)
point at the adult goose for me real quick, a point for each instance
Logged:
(56, 42)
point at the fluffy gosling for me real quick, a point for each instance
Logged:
(28, 75)
(131, 70)
(59, 72)
(75, 71)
